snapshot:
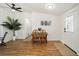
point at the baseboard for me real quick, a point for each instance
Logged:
(20, 39)
(7, 40)
(62, 41)
(53, 40)
(69, 47)
(78, 53)
(28, 36)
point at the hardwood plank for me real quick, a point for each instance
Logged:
(27, 48)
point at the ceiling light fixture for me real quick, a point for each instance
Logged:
(13, 10)
(49, 6)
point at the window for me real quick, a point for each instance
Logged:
(69, 24)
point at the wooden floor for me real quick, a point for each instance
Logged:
(27, 48)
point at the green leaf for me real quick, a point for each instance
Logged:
(12, 24)
(9, 19)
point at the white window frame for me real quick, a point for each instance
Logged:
(69, 23)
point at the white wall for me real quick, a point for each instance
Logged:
(32, 20)
(3, 15)
(24, 19)
(72, 38)
(54, 30)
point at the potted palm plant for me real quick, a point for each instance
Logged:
(12, 24)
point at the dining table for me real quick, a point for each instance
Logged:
(39, 35)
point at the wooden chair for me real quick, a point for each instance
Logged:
(39, 36)
(2, 40)
(43, 36)
(35, 36)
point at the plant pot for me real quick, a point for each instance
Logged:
(14, 38)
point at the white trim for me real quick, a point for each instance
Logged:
(62, 41)
(53, 39)
(78, 53)
(70, 47)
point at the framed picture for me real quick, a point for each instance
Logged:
(46, 23)
(42, 23)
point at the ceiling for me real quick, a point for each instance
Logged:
(40, 7)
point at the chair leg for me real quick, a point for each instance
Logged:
(46, 40)
(32, 40)
(3, 44)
